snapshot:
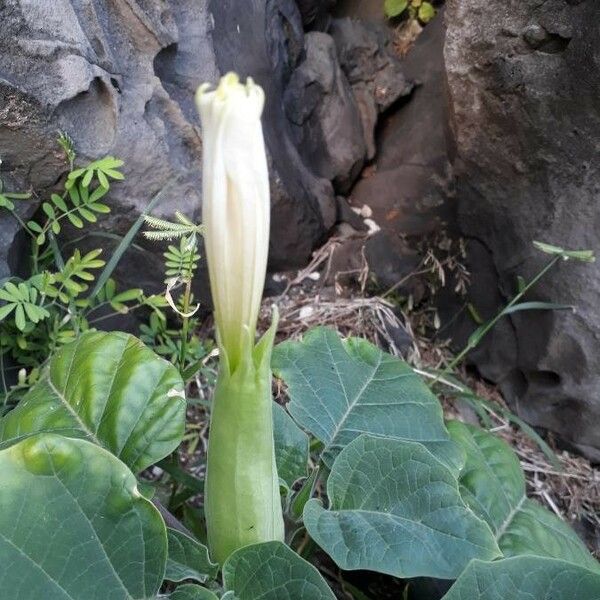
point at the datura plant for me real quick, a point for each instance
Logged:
(242, 499)
(369, 469)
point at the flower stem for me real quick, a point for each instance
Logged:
(185, 325)
(242, 499)
(486, 328)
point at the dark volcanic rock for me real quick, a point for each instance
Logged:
(375, 75)
(391, 260)
(365, 10)
(265, 40)
(524, 82)
(119, 77)
(336, 95)
(315, 13)
(411, 179)
(413, 176)
(321, 106)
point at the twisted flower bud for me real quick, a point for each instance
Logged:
(242, 500)
(235, 208)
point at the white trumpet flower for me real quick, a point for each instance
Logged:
(242, 500)
(235, 207)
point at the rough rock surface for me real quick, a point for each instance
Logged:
(315, 13)
(410, 179)
(90, 70)
(320, 104)
(119, 77)
(347, 78)
(524, 84)
(374, 73)
(265, 40)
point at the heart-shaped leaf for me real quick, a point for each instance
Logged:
(110, 389)
(396, 509)
(272, 571)
(340, 390)
(190, 591)
(73, 525)
(188, 559)
(493, 484)
(525, 578)
(291, 447)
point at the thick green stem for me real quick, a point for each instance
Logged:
(242, 500)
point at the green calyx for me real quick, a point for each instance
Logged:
(242, 500)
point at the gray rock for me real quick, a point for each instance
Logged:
(365, 10)
(119, 77)
(411, 179)
(524, 83)
(315, 13)
(336, 95)
(93, 71)
(375, 75)
(320, 105)
(303, 201)
(391, 260)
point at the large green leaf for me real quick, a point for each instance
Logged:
(340, 390)
(396, 509)
(393, 8)
(291, 447)
(73, 525)
(190, 591)
(272, 571)
(525, 578)
(188, 559)
(493, 485)
(110, 389)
